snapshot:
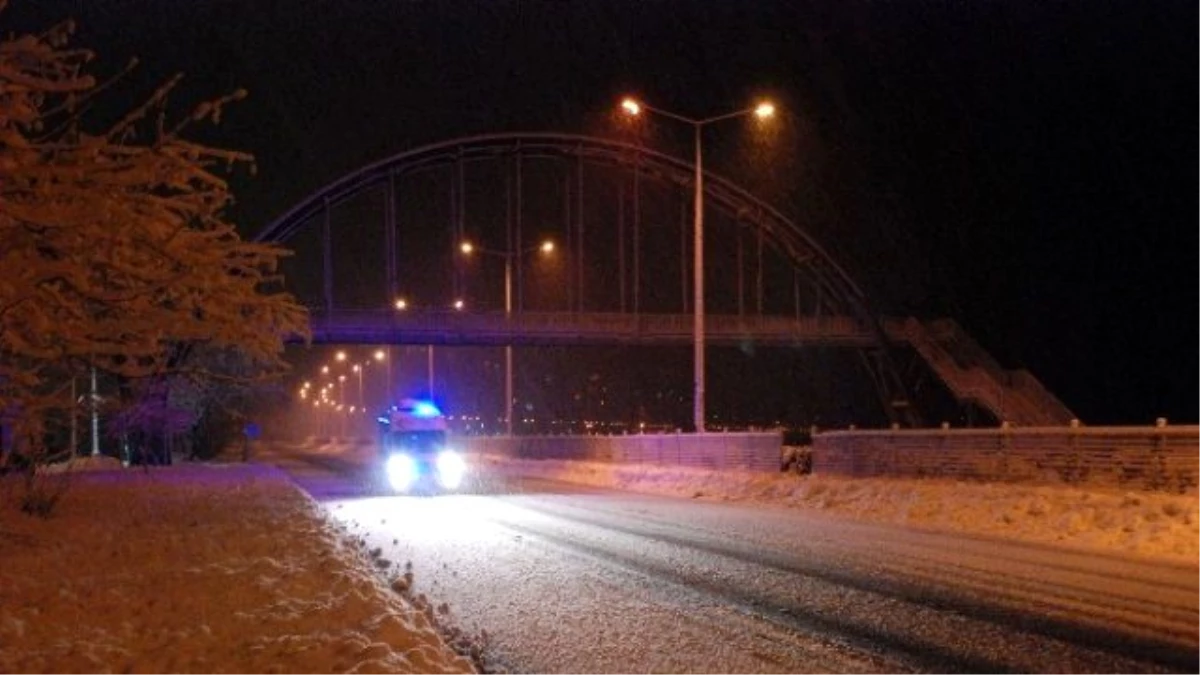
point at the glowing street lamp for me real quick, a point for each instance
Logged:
(763, 110)
(382, 356)
(358, 370)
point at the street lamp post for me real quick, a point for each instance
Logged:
(384, 357)
(429, 369)
(508, 352)
(546, 247)
(763, 111)
(358, 370)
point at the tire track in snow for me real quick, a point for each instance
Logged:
(1009, 625)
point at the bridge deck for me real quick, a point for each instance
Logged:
(562, 328)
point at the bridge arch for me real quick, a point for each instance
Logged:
(839, 294)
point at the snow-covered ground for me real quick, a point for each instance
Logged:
(231, 568)
(225, 568)
(1146, 524)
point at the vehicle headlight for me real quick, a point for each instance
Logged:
(450, 468)
(401, 471)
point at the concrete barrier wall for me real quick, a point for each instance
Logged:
(759, 451)
(1144, 458)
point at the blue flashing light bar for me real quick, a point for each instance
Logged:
(425, 409)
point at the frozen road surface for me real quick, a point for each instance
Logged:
(571, 579)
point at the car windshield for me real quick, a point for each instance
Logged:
(415, 441)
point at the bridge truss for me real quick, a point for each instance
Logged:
(607, 202)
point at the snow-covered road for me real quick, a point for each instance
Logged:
(571, 579)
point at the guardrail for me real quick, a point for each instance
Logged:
(749, 451)
(1146, 458)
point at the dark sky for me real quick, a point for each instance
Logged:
(1029, 168)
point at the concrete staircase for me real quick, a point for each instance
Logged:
(972, 375)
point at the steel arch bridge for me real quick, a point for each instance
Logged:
(615, 227)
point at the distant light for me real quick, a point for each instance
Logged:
(401, 303)
(341, 378)
(325, 370)
(547, 246)
(307, 384)
(340, 356)
(458, 304)
(380, 355)
(631, 106)
(467, 247)
(357, 368)
(764, 110)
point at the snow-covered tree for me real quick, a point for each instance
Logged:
(115, 251)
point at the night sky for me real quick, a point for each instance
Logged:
(1028, 168)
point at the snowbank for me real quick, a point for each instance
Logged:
(199, 569)
(1142, 523)
(81, 464)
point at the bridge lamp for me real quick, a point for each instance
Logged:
(763, 110)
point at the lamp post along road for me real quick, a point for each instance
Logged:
(762, 111)
(358, 370)
(508, 350)
(546, 247)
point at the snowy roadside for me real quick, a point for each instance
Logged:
(199, 568)
(1145, 524)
